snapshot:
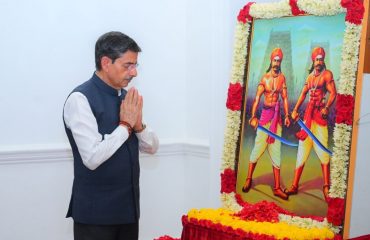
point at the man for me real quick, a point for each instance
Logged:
(104, 126)
(319, 82)
(271, 86)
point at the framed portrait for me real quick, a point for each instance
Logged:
(292, 100)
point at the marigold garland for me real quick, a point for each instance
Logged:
(226, 221)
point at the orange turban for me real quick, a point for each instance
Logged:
(277, 52)
(316, 52)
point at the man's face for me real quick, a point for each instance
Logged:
(319, 64)
(123, 70)
(275, 64)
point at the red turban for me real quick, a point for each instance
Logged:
(277, 52)
(316, 52)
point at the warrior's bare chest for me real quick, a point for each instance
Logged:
(273, 84)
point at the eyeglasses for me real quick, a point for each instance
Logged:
(131, 66)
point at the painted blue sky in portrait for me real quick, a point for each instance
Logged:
(304, 30)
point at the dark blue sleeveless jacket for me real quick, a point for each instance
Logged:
(110, 193)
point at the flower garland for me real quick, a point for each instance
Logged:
(166, 237)
(229, 222)
(355, 10)
(234, 97)
(260, 212)
(228, 181)
(295, 9)
(344, 107)
(321, 8)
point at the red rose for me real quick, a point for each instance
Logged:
(261, 212)
(344, 109)
(166, 237)
(228, 181)
(346, 3)
(338, 237)
(239, 200)
(336, 207)
(244, 13)
(355, 11)
(295, 9)
(234, 97)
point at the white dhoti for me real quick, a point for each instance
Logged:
(273, 149)
(305, 146)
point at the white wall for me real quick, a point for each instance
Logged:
(360, 225)
(47, 49)
(34, 199)
(36, 185)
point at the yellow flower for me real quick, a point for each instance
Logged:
(278, 230)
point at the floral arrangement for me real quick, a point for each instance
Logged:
(227, 221)
(166, 237)
(354, 10)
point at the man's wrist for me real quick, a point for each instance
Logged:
(127, 125)
(143, 126)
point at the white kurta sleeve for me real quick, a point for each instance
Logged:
(93, 148)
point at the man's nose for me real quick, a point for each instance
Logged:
(133, 72)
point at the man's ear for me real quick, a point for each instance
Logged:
(105, 62)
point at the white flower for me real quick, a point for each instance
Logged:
(339, 160)
(307, 222)
(229, 202)
(271, 10)
(320, 7)
(231, 137)
(350, 51)
(240, 53)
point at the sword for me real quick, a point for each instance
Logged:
(273, 135)
(314, 138)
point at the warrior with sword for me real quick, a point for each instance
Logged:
(269, 125)
(314, 131)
